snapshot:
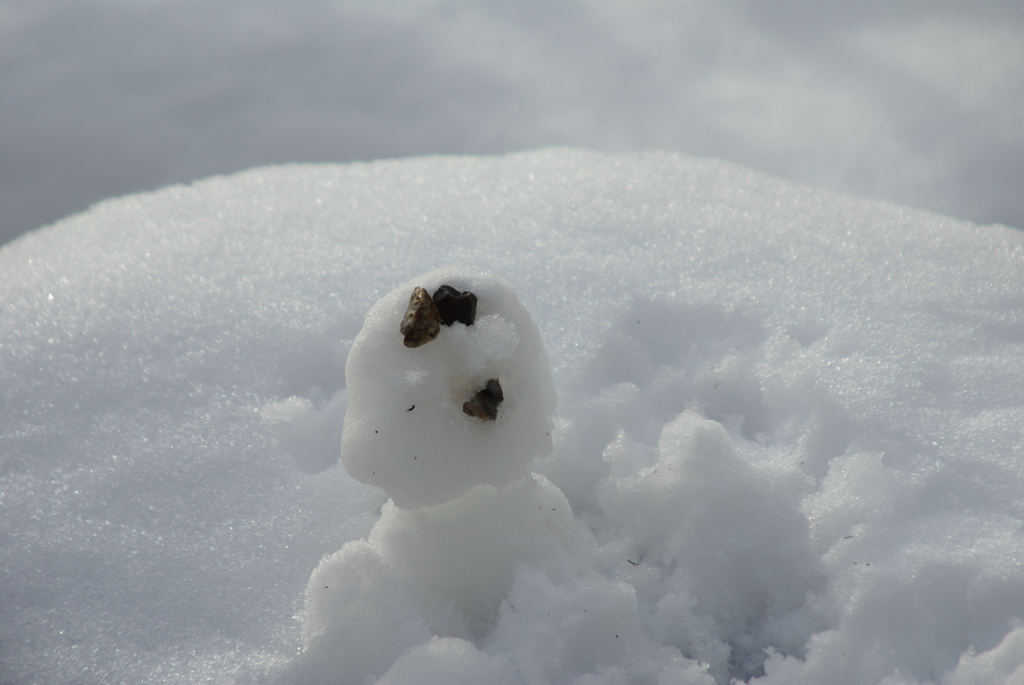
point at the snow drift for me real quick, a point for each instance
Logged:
(787, 445)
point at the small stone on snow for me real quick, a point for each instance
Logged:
(455, 306)
(484, 404)
(420, 324)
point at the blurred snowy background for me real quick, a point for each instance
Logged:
(920, 103)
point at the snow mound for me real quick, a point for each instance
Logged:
(406, 429)
(788, 444)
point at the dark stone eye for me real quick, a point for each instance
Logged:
(455, 306)
(484, 404)
(420, 324)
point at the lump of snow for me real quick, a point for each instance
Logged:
(717, 532)
(361, 614)
(474, 406)
(554, 632)
(440, 570)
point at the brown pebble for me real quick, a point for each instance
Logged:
(484, 404)
(453, 305)
(421, 322)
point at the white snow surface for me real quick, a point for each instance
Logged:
(788, 445)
